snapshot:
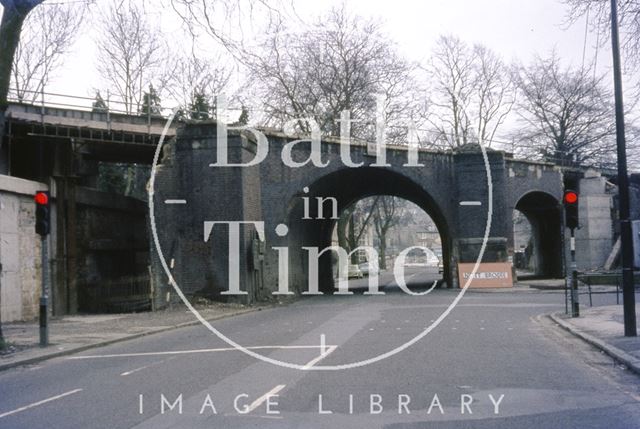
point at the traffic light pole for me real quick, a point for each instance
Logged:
(44, 297)
(628, 289)
(575, 302)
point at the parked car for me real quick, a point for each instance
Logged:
(368, 268)
(354, 272)
(433, 261)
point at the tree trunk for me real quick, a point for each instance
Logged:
(353, 243)
(342, 226)
(10, 28)
(383, 250)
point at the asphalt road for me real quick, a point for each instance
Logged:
(492, 362)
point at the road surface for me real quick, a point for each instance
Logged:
(493, 362)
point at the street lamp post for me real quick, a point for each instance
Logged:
(628, 289)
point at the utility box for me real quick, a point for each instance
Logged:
(635, 232)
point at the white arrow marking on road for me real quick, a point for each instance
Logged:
(255, 404)
(324, 352)
(44, 401)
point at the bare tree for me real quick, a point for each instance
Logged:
(226, 21)
(567, 114)
(472, 93)
(341, 62)
(599, 14)
(353, 224)
(196, 81)
(49, 33)
(384, 218)
(129, 52)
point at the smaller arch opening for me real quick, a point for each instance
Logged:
(537, 229)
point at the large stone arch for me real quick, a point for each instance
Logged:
(363, 182)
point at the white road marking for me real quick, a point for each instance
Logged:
(470, 203)
(181, 352)
(315, 360)
(255, 404)
(124, 374)
(44, 401)
(175, 201)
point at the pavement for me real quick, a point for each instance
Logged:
(603, 327)
(73, 334)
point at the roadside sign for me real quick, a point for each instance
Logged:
(372, 149)
(488, 275)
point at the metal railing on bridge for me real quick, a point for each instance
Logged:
(109, 113)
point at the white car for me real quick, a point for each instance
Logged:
(354, 272)
(368, 268)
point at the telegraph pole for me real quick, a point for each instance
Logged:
(628, 289)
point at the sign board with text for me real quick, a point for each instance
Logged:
(488, 275)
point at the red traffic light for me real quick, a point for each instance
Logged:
(570, 197)
(42, 198)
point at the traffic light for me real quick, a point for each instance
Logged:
(43, 214)
(571, 208)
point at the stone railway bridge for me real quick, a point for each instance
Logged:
(273, 192)
(100, 248)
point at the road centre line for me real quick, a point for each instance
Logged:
(124, 374)
(35, 404)
(179, 352)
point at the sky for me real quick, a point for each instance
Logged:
(515, 29)
(512, 28)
